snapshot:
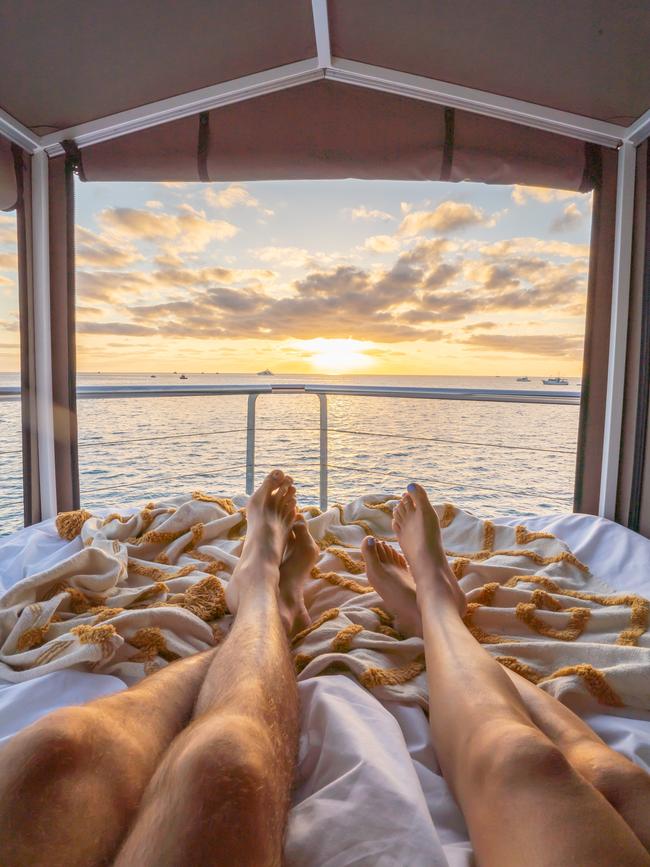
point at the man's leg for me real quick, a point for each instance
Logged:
(221, 794)
(71, 783)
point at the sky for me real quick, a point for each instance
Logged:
(323, 277)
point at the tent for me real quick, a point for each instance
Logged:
(512, 92)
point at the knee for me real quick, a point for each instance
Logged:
(60, 741)
(519, 755)
(619, 781)
(226, 762)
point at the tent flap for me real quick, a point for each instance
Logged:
(8, 182)
(330, 130)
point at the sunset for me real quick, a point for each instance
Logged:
(318, 277)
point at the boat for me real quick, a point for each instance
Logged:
(182, 376)
(555, 380)
(266, 372)
(523, 379)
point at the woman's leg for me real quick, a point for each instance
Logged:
(522, 800)
(624, 784)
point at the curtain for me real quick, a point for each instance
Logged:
(596, 349)
(633, 496)
(62, 313)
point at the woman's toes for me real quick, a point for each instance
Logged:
(370, 552)
(407, 502)
(418, 494)
(384, 556)
(397, 527)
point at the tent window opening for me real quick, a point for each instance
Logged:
(372, 284)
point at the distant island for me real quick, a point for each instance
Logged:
(266, 372)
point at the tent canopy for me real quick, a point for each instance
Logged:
(65, 63)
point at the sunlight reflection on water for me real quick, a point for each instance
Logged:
(488, 457)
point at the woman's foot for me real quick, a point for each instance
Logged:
(388, 572)
(418, 531)
(299, 559)
(270, 513)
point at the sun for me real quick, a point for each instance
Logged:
(337, 355)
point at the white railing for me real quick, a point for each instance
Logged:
(253, 391)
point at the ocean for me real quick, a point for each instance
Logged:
(490, 458)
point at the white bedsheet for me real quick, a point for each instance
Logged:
(369, 791)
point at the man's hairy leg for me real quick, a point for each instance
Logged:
(71, 783)
(221, 794)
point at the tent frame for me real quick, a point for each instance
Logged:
(326, 66)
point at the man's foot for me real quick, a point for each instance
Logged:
(299, 558)
(388, 572)
(418, 531)
(270, 513)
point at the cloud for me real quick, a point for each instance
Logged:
(549, 345)
(188, 231)
(522, 194)
(530, 246)
(233, 196)
(114, 328)
(363, 213)
(154, 203)
(447, 217)
(8, 261)
(381, 244)
(95, 251)
(570, 218)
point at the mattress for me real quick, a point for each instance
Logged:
(368, 789)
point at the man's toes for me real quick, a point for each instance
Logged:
(370, 553)
(271, 482)
(418, 495)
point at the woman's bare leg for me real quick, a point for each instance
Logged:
(522, 800)
(96, 760)
(625, 785)
(221, 794)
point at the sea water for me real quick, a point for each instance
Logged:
(491, 458)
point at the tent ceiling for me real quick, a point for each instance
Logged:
(589, 57)
(65, 62)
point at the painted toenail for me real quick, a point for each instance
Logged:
(371, 541)
(277, 474)
(410, 488)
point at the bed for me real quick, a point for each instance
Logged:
(368, 789)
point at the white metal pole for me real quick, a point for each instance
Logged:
(42, 335)
(618, 329)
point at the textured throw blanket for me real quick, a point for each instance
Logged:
(148, 588)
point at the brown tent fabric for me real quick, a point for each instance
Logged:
(8, 183)
(329, 130)
(31, 486)
(596, 349)
(589, 57)
(633, 501)
(62, 312)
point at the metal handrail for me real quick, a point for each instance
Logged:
(253, 391)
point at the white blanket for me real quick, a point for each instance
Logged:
(357, 801)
